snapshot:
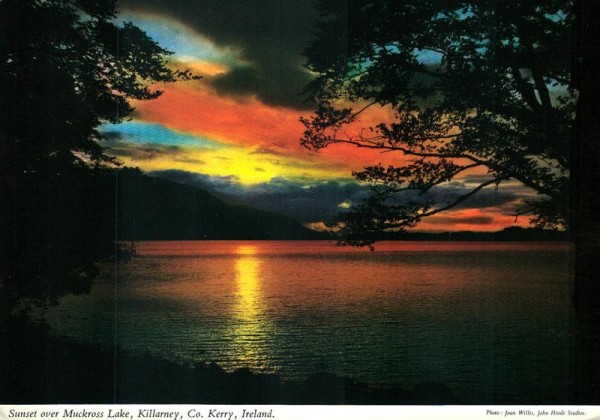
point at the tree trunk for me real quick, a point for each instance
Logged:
(585, 171)
(585, 198)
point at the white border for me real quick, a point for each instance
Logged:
(293, 412)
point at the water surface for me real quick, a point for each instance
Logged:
(483, 318)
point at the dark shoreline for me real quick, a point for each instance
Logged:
(39, 368)
(42, 369)
(509, 234)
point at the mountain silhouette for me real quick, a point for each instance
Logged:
(157, 209)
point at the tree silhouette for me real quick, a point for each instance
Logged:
(66, 66)
(585, 177)
(479, 85)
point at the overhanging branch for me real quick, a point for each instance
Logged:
(493, 166)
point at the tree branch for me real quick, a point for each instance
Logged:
(360, 111)
(542, 89)
(465, 196)
(525, 89)
(410, 152)
(509, 172)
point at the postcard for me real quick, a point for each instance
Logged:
(282, 209)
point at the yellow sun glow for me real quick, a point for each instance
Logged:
(251, 327)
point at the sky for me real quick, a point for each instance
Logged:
(236, 131)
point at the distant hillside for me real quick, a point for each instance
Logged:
(506, 235)
(157, 209)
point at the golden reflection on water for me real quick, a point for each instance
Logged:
(251, 331)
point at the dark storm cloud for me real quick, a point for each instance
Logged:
(476, 179)
(271, 35)
(114, 145)
(449, 193)
(488, 197)
(305, 203)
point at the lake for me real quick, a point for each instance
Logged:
(483, 318)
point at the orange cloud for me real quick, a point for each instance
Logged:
(244, 121)
(193, 107)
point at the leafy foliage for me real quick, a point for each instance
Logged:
(475, 84)
(66, 66)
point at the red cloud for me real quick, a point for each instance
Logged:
(248, 122)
